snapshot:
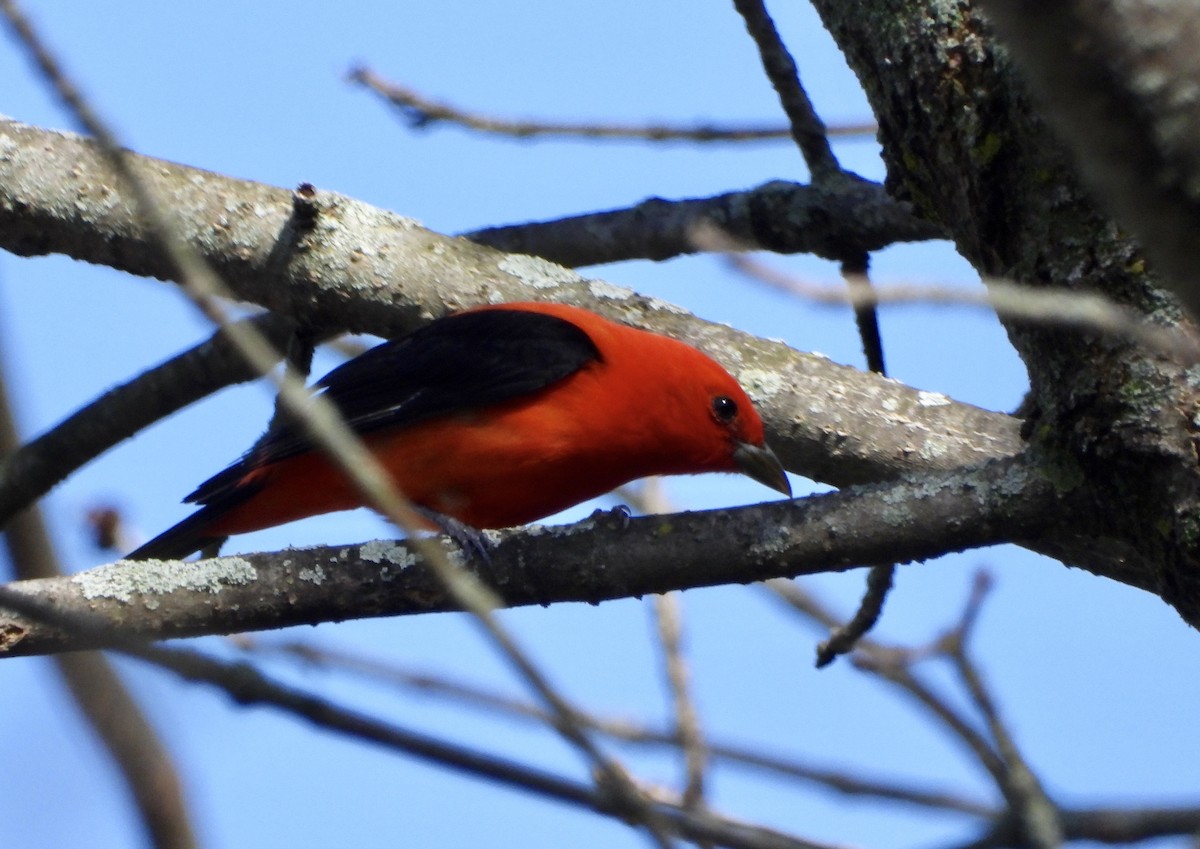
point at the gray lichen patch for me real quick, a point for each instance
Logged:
(605, 291)
(382, 551)
(537, 272)
(761, 384)
(315, 575)
(126, 578)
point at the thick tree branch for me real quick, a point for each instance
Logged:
(831, 220)
(606, 557)
(369, 270)
(1118, 83)
(949, 103)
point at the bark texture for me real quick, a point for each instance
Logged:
(965, 145)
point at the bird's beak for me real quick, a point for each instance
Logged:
(760, 463)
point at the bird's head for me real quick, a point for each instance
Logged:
(715, 427)
(663, 406)
(740, 425)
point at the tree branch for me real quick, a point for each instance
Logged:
(422, 112)
(371, 271)
(1029, 803)
(1117, 80)
(688, 731)
(118, 721)
(894, 665)
(602, 558)
(774, 763)
(808, 130)
(949, 103)
(831, 220)
(324, 424)
(247, 686)
(32, 470)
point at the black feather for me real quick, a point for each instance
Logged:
(180, 540)
(458, 363)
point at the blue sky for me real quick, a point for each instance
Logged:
(1095, 678)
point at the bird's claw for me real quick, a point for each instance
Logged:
(470, 540)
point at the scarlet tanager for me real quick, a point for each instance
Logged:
(497, 416)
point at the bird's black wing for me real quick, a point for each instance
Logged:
(461, 362)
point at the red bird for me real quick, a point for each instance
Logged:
(494, 417)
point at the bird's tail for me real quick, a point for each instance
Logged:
(189, 536)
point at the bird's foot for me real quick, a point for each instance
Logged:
(470, 540)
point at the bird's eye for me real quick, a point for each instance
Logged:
(724, 409)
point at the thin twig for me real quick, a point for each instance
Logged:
(1037, 814)
(808, 130)
(668, 616)
(138, 754)
(247, 686)
(625, 731)
(894, 665)
(298, 358)
(845, 637)
(1086, 311)
(331, 433)
(421, 112)
(866, 316)
(687, 718)
(879, 578)
(828, 220)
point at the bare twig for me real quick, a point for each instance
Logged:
(854, 272)
(32, 470)
(845, 637)
(1037, 817)
(247, 686)
(331, 433)
(1037, 814)
(808, 130)
(299, 351)
(1115, 825)
(894, 665)
(687, 718)
(879, 578)
(421, 112)
(138, 754)
(649, 498)
(1084, 311)
(1107, 824)
(437, 684)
